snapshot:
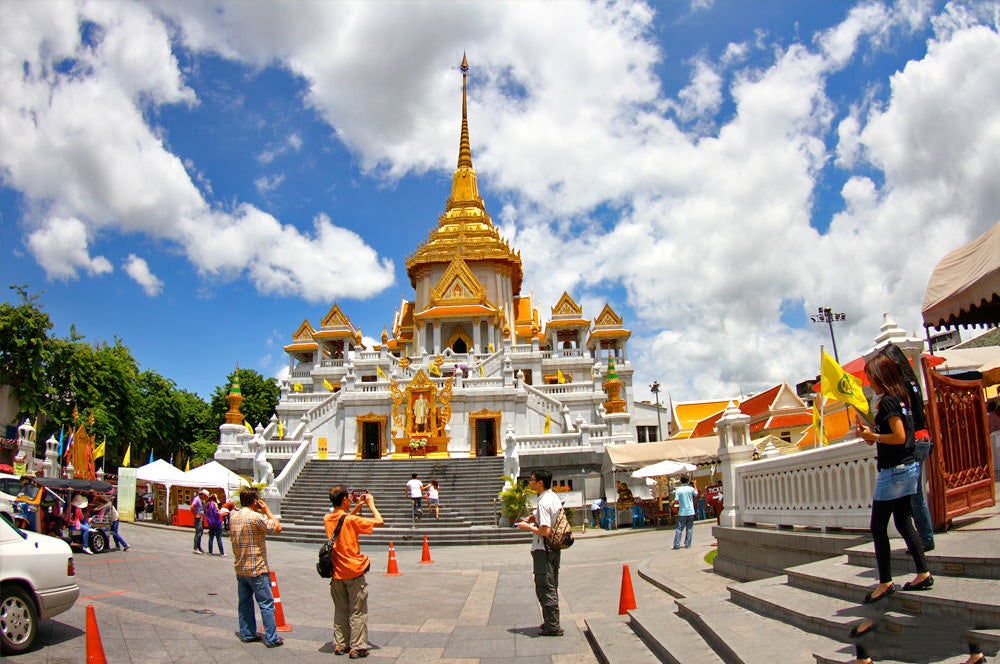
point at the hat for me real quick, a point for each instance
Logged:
(80, 500)
(204, 492)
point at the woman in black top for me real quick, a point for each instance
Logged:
(898, 474)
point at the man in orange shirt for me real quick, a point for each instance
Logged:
(348, 587)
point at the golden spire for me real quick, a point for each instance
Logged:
(464, 147)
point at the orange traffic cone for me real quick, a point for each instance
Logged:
(626, 601)
(426, 557)
(393, 567)
(95, 649)
(279, 613)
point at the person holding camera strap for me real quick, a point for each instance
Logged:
(348, 587)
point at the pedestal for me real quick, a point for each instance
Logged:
(730, 458)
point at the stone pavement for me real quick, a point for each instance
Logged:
(160, 603)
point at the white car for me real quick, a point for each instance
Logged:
(10, 485)
(37, 581)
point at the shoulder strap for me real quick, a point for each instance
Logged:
(340, 524)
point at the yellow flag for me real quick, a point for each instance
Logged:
(297, 387)
(434, 370)
(187, 466)
(819, 434)
(548, 423)
(489, 347)
(247, 425)
(99, 451)
(327, 385)
(480, 371)
(379, 372)
(560, 377)
(839, 385)
(281, 430)
(128, 456)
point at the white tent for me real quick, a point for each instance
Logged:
(161, 472)
(964, 288)
(664, 469)
(211, 476)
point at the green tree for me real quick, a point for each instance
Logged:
(24, 339)
(260, 398)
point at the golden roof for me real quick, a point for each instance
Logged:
(465, 229)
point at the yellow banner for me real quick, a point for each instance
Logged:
(321, 448)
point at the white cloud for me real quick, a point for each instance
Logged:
(138, 269)
(61, 247)
(265, 184)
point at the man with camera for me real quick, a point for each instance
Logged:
(348, 587)
(248, 528)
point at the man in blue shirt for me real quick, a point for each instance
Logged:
(685, 495)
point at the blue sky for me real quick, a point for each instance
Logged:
(196, 178)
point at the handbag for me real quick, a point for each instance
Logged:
(324, 566)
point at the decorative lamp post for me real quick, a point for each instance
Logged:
(655, 389)
(826, 315)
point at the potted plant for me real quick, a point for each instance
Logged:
(515, 499)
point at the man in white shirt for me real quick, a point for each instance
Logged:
(414, 489)
(545, 561)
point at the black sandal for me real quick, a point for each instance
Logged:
(864, 628)
(869, 599)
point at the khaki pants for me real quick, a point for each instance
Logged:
(350, 612)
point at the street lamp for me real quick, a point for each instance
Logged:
(655, 389)
(825, 315)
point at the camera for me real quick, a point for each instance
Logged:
(358, 494)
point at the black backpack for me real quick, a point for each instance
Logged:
(324, 566)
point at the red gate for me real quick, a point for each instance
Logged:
(961, 467)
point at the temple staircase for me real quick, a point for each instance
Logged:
(805, 614)
(468, 488)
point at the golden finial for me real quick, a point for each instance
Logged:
(464, 147)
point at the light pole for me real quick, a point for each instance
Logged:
(825, 315)
(655, 389)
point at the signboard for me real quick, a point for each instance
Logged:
(321, 451)
(126, 494)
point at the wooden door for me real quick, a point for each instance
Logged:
(961, 466)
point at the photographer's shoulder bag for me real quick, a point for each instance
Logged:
(324, 566)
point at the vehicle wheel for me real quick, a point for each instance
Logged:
(98, 541)
(18, 620)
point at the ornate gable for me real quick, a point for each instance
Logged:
(566, 307)
(335, 318)
(608, 318)
(304, 333)
(458, 285)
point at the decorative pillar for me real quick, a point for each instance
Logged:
(26, 446)
(51, 466)
(734, 450)
(437, 337)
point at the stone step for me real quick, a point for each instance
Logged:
(972, 554)
(970, 601)
(671, 638)
(615, 642)
(740, 636)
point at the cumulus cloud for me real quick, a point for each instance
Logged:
(61, 247)
(138, 269)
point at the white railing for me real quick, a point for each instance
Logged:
(610, 441)
(372, 386)
(283, 482)
(306, 398)
(332, 363)
(548, 441)
(567, 388)
(542, 402)
(520, 348)
(565, 352)
(369, 355)
(830, 487)
(482, 383)
(302, 373)
(281, 449)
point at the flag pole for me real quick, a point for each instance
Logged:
(819, 440)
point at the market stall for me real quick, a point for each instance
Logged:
(161, 476)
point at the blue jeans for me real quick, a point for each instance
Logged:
(921, 512)
(256, 588)
(215, 534)
(119, 541)
(416, 507)
(682, 523)
(199, 528)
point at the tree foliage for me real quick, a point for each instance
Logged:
(24, 336)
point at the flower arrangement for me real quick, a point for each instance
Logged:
(417, 444)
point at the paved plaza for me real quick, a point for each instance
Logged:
(160, 603)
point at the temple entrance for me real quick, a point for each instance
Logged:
(370, 435)
(485, 426)
(460, 346)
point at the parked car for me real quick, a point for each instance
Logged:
(37, 582)
(10, 485)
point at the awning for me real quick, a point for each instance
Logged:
(689, 450)
(964, 288)
(664, 469)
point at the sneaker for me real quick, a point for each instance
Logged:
(198, 552)
(359, 653)
(125, 548)
(277, 644)
(550, 632)
(674, 548)
(253, 639)
(87, 550)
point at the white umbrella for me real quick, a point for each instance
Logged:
(664, 468)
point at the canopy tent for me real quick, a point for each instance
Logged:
(964, 288)
(214, 475)
(161, 472)
(688, 450)
(664, 469)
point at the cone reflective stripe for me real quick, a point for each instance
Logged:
(393, 567)
(279, 613)
(95, 649)
(626, 601)
(426, 557)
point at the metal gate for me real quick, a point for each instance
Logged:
(961, 466)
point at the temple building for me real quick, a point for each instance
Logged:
(466, 367)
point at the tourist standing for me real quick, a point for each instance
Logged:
(898, 475)
(248, 528)
(685, 496)
(198, 512)
(414, 489)
(434, 498)
(545, 561)
(213, 519)
(348, 587)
